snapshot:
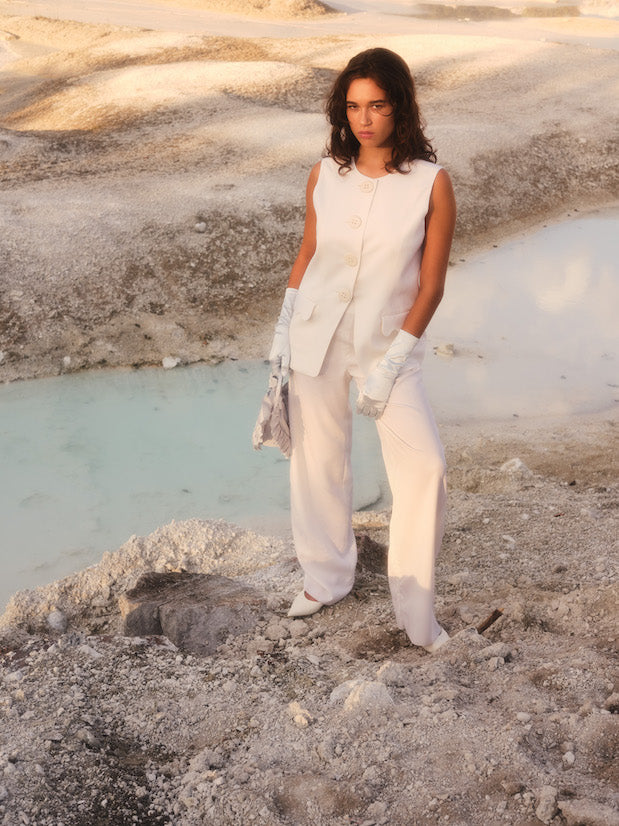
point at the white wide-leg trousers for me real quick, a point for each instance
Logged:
(321, 485)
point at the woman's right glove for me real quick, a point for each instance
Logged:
(280, 349)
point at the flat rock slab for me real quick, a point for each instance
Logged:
(197, 612)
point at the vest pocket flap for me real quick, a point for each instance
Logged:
(392, 322)
(303, 306)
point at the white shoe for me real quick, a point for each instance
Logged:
(304, 607)
(442, 638)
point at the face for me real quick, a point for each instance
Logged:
(370, 113)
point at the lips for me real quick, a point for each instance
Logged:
(366, 134)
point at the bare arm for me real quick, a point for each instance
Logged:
(440, 222)
(308, 244)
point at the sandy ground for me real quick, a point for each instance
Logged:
(117, 142)
(152, 198)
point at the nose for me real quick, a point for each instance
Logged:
(366, 116)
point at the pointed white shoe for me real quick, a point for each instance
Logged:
(442, 638)
(304, 607)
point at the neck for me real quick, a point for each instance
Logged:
(374, 160)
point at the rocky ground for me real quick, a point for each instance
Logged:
(151, 205)
(337, 719)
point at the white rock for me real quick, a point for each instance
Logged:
(391, 673)
(89, 651)
(514, 466)
(363, 695)
(200, 226)
(523, 717)
(546, 807)
(170, 362)
(2, 356)
(445, 349)
(66, 361)
(57, 621)
(568, 758)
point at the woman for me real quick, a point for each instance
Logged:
(368, 277)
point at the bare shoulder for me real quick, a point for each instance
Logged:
(313, 176)
(442, 195)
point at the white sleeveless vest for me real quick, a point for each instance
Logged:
(369, 241)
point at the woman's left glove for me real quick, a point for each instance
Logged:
(379, 384)
(280, 349)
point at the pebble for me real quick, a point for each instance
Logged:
(298, 628)
(170, 362)
(446, 349)
(57, 621)
(514, 466)
(612, 703)
(86, 736)
(568, 759)
(546, 807)
(523, 717)
(392, 673)
(498, 650)
(577, 812)
(276, 631)
(200, 226)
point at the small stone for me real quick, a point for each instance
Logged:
(546, 807)
(301, 716)
(577, 812)
(514, 466)
(3, 793)
(391, 673)
(446, 349)
(276, 631)
(2, 356)
(362, 695)
(298, 628)
(89, 651)
(498, 649)
(512, 787)
(66, 361)
(170, 362)
(612, 703)
(86, 736)
(568, 758)
(523, 717)
(200, 226)
(57, 621)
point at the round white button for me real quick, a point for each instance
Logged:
(351, 260)
(354, 222)
(344, 295)
(366, 186)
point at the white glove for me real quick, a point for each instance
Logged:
(378, 385)
(280, 349)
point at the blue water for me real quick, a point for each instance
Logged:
(89, 459)
(92, 458)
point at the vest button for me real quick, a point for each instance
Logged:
(350, 260)
(366, 186)
(344, 295)
(354, 222)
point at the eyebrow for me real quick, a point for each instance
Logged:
(371, 102)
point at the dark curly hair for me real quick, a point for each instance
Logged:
(389, 71)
